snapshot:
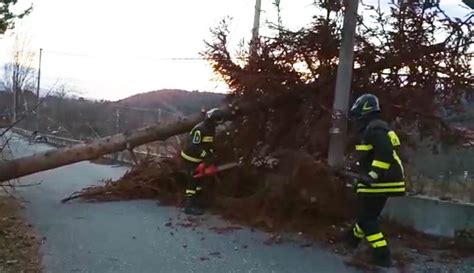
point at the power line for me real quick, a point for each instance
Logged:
(130, 57)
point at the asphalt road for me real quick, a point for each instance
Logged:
(142, 237)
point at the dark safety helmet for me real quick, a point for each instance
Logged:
(215, 116)
(364, 105)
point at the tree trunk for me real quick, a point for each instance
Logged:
(123, 141)
(119, 142)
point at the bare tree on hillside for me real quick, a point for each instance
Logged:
(18, 74)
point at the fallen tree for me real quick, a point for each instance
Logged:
(123, 141)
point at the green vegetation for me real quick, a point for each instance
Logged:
(7, 17)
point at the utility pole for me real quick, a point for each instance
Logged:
(117, 120)
(256, 28)
(277, 5)
(338, 131)
(14, 92)
(14, 87)
(38, 91)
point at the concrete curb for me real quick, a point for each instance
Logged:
(431, 216)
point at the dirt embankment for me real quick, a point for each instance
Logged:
(18, 244)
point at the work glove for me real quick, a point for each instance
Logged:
(366, 179)
(199, 171)
(205, 170)
(210, 170)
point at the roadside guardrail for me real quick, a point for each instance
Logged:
(58, 141)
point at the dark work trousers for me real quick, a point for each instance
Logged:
(192, 184)
(367, 226)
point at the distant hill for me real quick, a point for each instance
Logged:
(81, 118)
(174, 100)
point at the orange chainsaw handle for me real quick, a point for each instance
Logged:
(202, 170)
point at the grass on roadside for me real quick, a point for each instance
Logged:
(18, 244)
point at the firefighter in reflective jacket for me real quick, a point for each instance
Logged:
(198, 155)
(381, 175)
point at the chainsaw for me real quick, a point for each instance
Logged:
(217, 169)
(351, 175)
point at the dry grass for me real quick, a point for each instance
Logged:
(18, 244)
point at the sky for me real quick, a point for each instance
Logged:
(111, 49)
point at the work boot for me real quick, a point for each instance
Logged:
(199, 200)
(350, 240)
(191, 208)
(381, 257)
